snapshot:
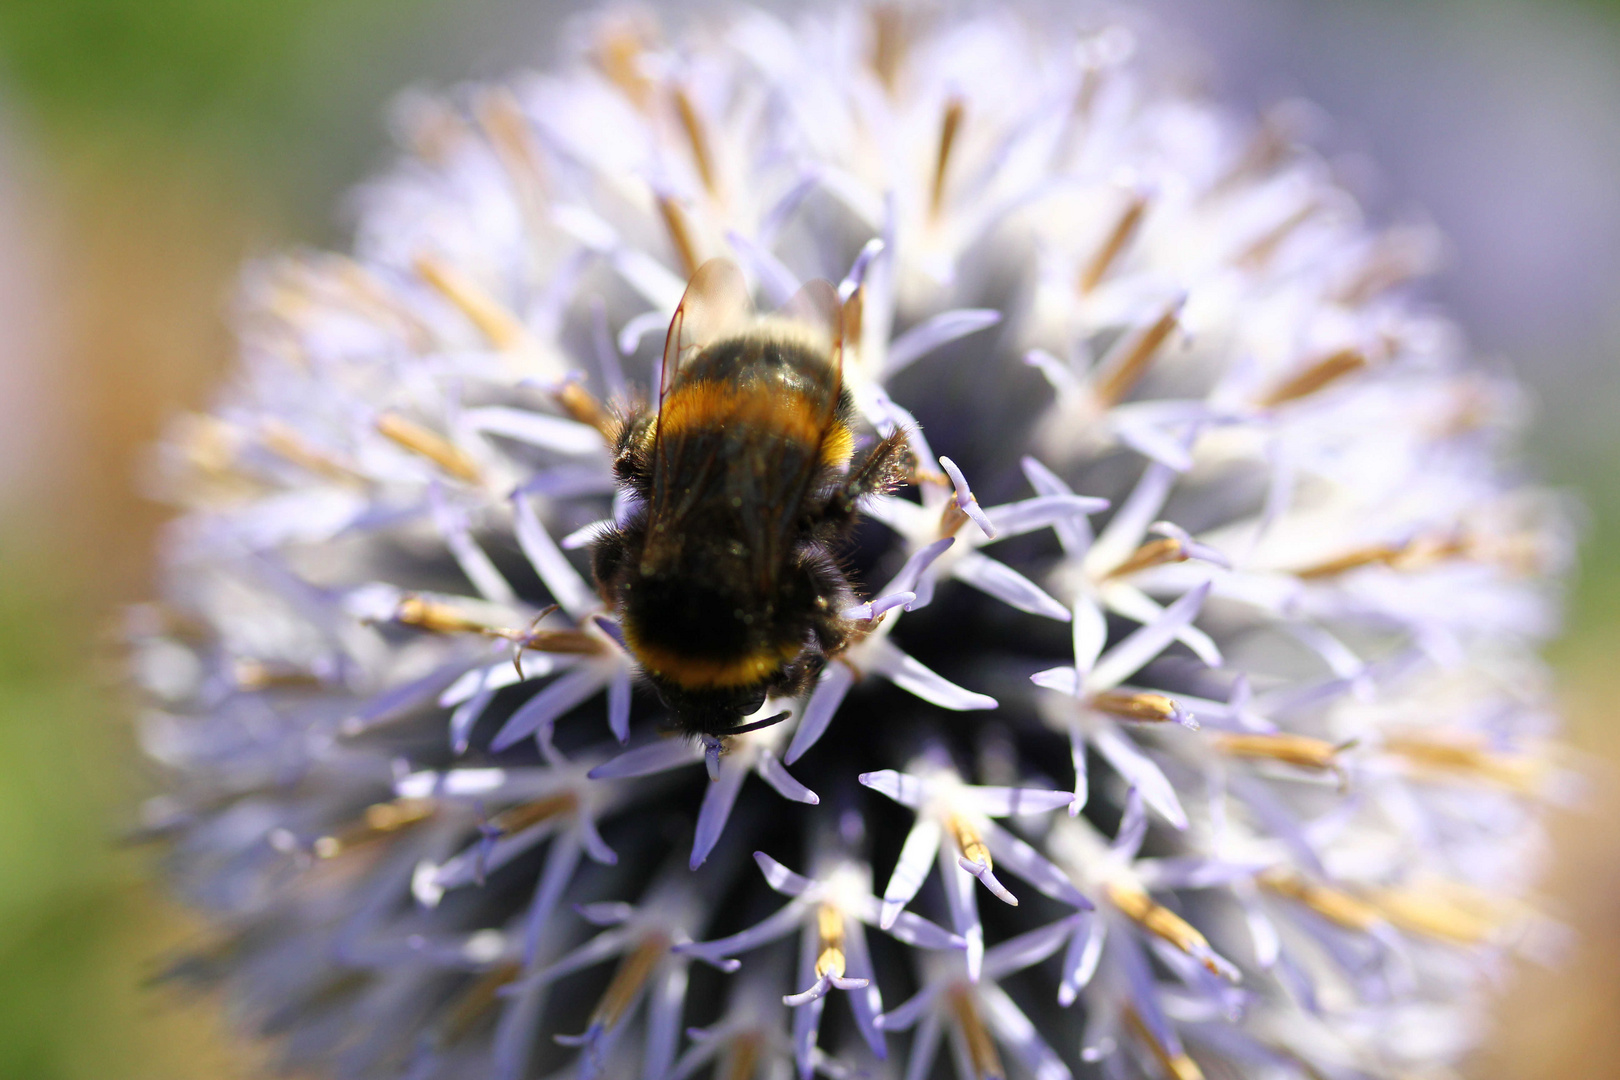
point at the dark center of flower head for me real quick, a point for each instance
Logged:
(1175, 725)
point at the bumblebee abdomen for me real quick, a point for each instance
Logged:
(697, 634)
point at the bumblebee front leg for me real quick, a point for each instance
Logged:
(883, 469)
(630, 439)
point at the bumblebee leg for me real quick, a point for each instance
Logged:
(882, 470)
(632, 460)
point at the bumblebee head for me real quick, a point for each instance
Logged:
(713, 711)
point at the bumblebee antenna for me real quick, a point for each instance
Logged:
(765, 723)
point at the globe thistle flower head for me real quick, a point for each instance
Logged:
(1188, 722)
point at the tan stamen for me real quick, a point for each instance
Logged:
(1257, 254)
(888, 43)
(1451, 755)
(680, 234)
(632, 974)
(254, 675)
(283, 441)
(1415, 554)
(582, 405)
(429, 444)
(743, 1060)
(1128, 361)
(1153, 553)
(437, 617)
(955, 109)
(1335, 905)
(968, 840)
(830, 927)
(478, 999)
(571, 642)
(1163, 923)
(1118, 239)
(981, 1048)
(1176, 1066)
(434, 130)
(617, 55)
(1264, 152)
(1143, 707)
(378, 820)
(518, 818)
(1449, 913)
(1395, 257)
(509, 133)
(1318, 376)
(493, 319)
(1302, 751)
(697, 137)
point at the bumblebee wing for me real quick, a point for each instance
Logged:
(788, 467)
(714, 305)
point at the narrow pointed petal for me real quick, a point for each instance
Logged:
(465, 717)
(911, 929)
(780, 878)
(567, 588)
(1074, 533)
(1061, 377)
(716, 811)
(595, 846)
(1002, 801)
(988, 879)
(554, 433)
(619, 705)
(908, 1012)
(867, 1002)
(543, 709)
(775, 279)
(1030, 947)
(873, 609)
(1131, 602)
(667, 1001)
(658, 756)
(1082, 782)
(774, 773)
(1028, 863)
(1133, 825)
(933, 333)
(1089, 634)
(1140, 771)
(605, 912)
(1043, 511)
(780, 923)
(1007, 585)
(585, 535)
(903, 788)
(1125, 531)
(561, 861)
(490, 583)
(1128, 657)
(916, 856)
(881, 657)
(964, 499)
(924, 1047)
(911, 574)
(1080, 958)
(1062, 679)
(1020, 1036)
(834, 683)
(963, 900)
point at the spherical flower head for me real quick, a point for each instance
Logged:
(1185, 705)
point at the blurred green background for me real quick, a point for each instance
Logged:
(147, 147)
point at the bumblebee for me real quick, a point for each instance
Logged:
(743, 486)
